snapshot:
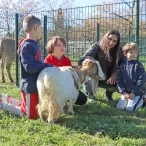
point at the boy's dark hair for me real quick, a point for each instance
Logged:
(51, 44)
(130, 46)
(29, 21)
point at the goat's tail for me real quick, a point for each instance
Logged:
(49, 110)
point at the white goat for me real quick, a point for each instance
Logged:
(56, 86)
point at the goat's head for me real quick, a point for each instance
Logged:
(92, 69)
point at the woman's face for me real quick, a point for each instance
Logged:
(59, 48)
(112, 41)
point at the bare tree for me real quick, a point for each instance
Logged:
(8, 8)
(120, 15)
(56, 4)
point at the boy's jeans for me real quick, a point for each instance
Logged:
(130, 105)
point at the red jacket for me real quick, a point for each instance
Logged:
(64, 61)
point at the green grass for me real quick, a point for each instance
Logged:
(94, 124)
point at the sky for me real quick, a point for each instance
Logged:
(87, 2)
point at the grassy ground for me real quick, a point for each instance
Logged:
(94, 124)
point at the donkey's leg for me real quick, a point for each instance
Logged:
(2, 69)
(8, 67)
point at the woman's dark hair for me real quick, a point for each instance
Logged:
(114, 52)
(52, 43)
(103, 43)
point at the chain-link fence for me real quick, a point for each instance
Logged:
(82, 26)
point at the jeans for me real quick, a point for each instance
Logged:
(102, 84)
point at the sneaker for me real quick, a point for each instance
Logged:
(108, 95)
(91, 98)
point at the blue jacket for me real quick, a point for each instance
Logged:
(131, 78)
(31, 65)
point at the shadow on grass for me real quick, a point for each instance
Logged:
(101, 119)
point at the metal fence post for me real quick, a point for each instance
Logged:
(98, 32)
(16, 47)
(137, 24)
(45, 33)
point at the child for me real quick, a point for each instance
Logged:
(31, 65)
(131, 80)
(56, 50)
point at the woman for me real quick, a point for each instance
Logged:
(107, 52)
(56, 50)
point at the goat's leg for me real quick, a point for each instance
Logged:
(40, 112)
(50, 121)
(70, 108)
(8, 67)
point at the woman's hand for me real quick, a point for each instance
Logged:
(85, 62)
(112, 79)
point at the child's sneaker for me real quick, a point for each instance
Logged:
(91, 98)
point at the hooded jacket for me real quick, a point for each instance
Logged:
(64, 61)
(31, 64)
(131, 78)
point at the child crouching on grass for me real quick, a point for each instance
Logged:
(131, 80)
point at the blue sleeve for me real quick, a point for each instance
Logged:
(30, 64)
(92, 51)
(141, 79)
(120, 81)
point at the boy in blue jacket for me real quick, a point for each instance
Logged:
(31, 65)
(131, 80)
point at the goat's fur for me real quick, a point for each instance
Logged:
(7, 55)
(56, 86)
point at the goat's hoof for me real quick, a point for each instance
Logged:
(3, 81)
(50, 122)
(71, 111)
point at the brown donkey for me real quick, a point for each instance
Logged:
(7, 54)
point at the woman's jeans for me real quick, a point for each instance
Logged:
(102, 84)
